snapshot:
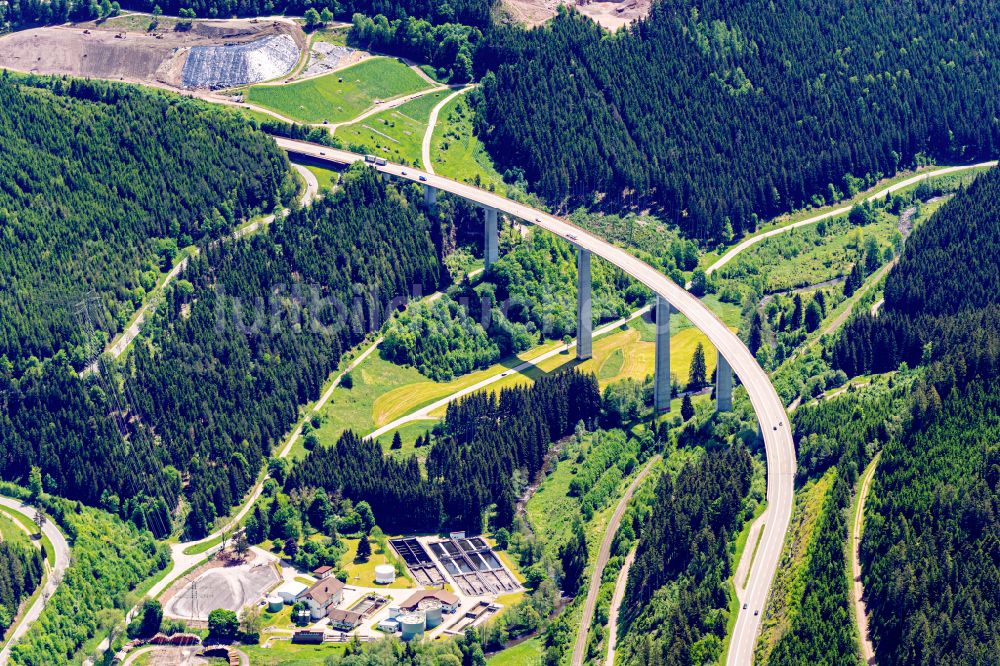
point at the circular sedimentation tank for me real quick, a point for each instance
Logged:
(431, 608)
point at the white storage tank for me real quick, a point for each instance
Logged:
(431, 609)
(274, 603)
(385, 574)
(411, 625)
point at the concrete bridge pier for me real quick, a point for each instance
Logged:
(490, 240)
(584, 308)
(430, 198)
(723, 385)
(661, 376)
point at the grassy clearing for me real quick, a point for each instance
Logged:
(408, 436)
(339, 96)
(200, 548)
(804, 257)
(528, 653)
(9, 531)
(362, 574)
(789, 582)
(327, 178)
(284, 653)
(383, 391)
(47, 548)
(336, 36)
(781, 221)
(397, 133)
(457, 153)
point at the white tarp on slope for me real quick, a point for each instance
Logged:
(240, 64)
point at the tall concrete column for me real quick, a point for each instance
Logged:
(723, 385)
(661, 376)
(490, 250)
(430, 198)
(584, 310)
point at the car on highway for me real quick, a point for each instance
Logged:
(403, 172)
(423, 179)
(571, 236)
(322, 153)
(756, 612)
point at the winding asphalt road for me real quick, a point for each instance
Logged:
(753, 240)
(425, 148)
(766, 404)
(52, 579)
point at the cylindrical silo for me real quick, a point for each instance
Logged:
(275, 603)
(385, 574)
(431, 609)
(412, 626)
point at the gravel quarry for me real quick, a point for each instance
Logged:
(204, 55)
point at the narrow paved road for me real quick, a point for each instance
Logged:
(858, 588)
(616, 606)
(425, 149)
(743, 567)
(580, 647)
(767, 405)
(753, 240)
(53, 577)
(312, 184)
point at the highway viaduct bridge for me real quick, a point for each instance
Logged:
(733, 356)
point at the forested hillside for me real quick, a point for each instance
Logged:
(526, 297)
(682, 108)
(675, 605)
(932, 531)
(99, 184)
(943, 293)
(22, 13)
(110, 560)
(251, 333)
(929, 550)
(21, 569)
(484, 443)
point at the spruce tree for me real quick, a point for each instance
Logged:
(698, 372)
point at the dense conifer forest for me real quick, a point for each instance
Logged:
(251, 333)
(675, 604)
(929, 548)
(99, 185)
(822, 629)
(21, 569)
(681, 108)
(23, 13)
(484, 441)
(931, 538)
(942, 295)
